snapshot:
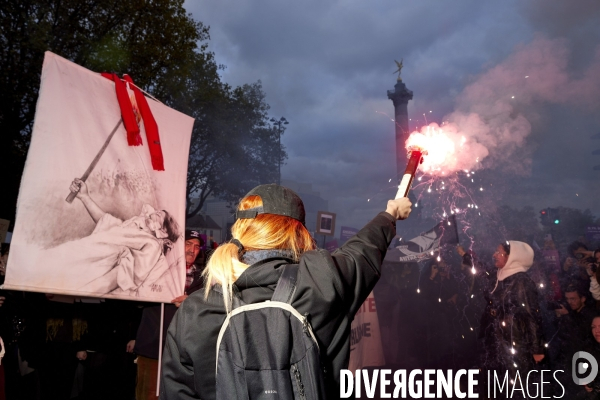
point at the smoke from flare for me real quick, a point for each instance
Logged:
(448, 149)
(493, 116)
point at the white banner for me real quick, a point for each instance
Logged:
(365, 337)
(122, 236)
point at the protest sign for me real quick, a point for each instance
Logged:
(365, 337)
(552, 260)
(347, 232)
(326, 223)
(592, 233)
(331, 246)
(96, 215)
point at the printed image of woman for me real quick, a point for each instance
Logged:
(119, 257)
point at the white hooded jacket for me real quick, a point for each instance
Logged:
(520, 259)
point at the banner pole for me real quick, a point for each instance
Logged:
(160, 347)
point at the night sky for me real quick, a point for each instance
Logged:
(520, 78)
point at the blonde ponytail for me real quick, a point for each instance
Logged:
(265, 232)
(224, 267)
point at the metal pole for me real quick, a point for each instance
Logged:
(160, 347)
(282, 121)
(279, 154)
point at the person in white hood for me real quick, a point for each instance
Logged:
(511, 324)
(512, 258)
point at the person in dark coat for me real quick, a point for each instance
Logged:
(591, 390)
(268, 234)
(573, 331)
(107, 330)
(573, 323)
(512, 333)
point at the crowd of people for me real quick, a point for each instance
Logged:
(506, 312)
(61, 347)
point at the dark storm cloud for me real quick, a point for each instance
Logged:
(326, 67)
(559, 19)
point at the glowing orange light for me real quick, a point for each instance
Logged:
(447, 149)
(439, 146)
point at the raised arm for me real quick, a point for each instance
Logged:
(359, 260)
(78, 186)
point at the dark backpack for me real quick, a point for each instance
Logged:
(268, 350)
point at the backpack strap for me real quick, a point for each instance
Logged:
(286, 285)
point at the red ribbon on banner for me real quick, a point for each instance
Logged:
(130, 122)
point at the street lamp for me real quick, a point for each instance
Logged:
(278, 123)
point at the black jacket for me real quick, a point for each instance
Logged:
(147, 337)
(330, 288)
(574, 333)
(513, 321)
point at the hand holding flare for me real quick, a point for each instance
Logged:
(415, 157)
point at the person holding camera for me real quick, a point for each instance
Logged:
(588, 261)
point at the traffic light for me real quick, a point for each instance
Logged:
(550, 216)
(554, 216)
(544, 217)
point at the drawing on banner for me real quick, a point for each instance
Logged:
(153, 232)
(98, 213)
